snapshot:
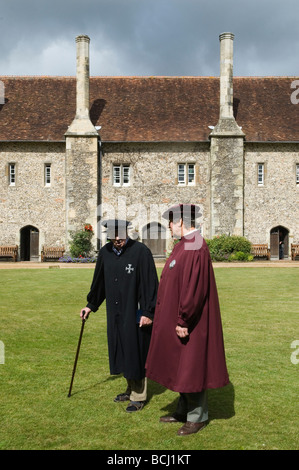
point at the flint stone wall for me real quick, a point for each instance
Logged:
(30, 202)
(227, 160)
(153, 181)
(82, 189)
(277, 201)
(153, 187)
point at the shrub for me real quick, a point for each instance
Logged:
(81, 245)
(229, 248)
(240, 256)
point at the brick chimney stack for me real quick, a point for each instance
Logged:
(226, 75)
(226, 154)
(82, 124)
(226, 124)
(81, 161)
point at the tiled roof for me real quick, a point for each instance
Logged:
(263, 107)
(153, 109)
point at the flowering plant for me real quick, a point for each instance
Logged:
(79, 259)
(81, 245)
(88, 228)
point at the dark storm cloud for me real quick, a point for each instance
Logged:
(148, 37)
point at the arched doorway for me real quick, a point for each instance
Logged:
(29, 243)
(154, 237)
(279, 242)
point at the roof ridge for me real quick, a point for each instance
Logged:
(37, 76)
(154, 77)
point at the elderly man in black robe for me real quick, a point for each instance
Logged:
(125, 275)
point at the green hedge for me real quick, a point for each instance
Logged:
(229, 248)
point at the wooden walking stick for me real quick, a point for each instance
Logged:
(77, 354)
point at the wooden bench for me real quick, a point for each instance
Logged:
(52, 252)
(9, 252)
(294, 250)
(260, 251)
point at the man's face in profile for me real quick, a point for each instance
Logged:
(175, 228)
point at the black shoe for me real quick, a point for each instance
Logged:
(122, 397)
(135, 406)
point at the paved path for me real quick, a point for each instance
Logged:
(254, 264)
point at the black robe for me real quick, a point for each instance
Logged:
(129, 283)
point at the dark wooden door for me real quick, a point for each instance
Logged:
(34, 245)
(29, 243)
(274, 243)
(153, 236)
(279, 235)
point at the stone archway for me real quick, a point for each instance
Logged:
(279, 242)
(29, 238)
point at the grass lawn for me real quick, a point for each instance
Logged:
(40, 327)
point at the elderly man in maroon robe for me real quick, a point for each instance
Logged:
(186, 352)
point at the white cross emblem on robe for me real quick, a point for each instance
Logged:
(129, 268)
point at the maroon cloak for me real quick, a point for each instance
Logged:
(187, 296)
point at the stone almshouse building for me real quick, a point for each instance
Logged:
(73, 150)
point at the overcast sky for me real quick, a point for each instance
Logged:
(149, 37)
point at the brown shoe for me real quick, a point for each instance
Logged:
(175, 418)
(191, 428)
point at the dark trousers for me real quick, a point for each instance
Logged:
(137, 389)
(194, 405)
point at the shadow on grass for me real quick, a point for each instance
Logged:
(221, 401)
(154, 388)
(97, 384)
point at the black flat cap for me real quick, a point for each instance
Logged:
(182, 211)
(118, 226)
(116, 223)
